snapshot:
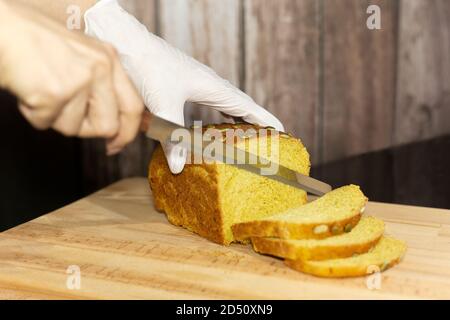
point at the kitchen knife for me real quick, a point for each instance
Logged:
(160, 129)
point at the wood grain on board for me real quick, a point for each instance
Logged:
(423, 82)
(358, 78)
(282, 63)
(126, 250)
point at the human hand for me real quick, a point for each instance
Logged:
(65, 80)
(166, 78)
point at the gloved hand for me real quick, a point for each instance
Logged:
(65, 80)
(167, 78)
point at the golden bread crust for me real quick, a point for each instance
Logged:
(319, 253)
(322, 249)
(362, 238)
(196, 209)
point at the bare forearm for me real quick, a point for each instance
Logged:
(57, 9)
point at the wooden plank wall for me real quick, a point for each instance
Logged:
(342, 88)
(285, 83)
(423, 73)
(210, 32)
(358, 89)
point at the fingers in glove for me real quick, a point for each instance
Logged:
(259, 115)
(175, 155)
(173, 110)
(224, 97)
(231, 119)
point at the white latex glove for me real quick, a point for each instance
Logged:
(167, 78)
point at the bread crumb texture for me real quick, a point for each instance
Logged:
(339, 211)
(363, 237)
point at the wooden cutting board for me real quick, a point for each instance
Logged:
(123, 248)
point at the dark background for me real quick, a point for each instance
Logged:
(39, 170)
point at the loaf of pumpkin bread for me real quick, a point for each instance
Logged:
(209, 198)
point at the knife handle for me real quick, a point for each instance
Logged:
(145, 121)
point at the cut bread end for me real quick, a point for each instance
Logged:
(385, 254)
(334, 213)
(362, 238)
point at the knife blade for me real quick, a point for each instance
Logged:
(160, 129)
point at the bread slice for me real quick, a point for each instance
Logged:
(332, 214)
(385, 254)
(363, 237)
(209, 198)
